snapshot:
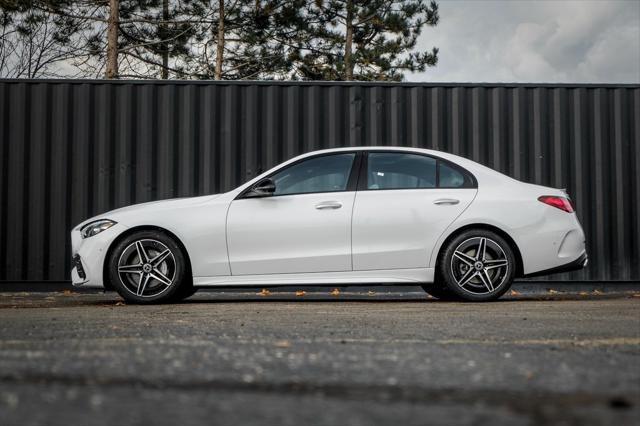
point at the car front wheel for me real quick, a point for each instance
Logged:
(149, 267)
(477, 265)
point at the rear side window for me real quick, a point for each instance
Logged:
(399, 170)
(386, 170)
(450, 177)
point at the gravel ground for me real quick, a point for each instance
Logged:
(355, 358)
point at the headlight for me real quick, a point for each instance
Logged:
(96, 227)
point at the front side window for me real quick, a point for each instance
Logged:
(328, 173)
(386, 170)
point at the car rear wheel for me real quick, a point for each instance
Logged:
(477, 265)
(149, 267)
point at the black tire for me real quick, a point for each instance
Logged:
(185, 291)
(439, 291)
(154, 279)
(468, 275)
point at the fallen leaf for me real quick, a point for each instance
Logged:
(67, 292)
(371, 293)
(335, 292)
(300, 293)
(515, 293)
(264, 292)
(552, 291)
(282, 344)
(583, 293)
(597, 292)
(119, 303)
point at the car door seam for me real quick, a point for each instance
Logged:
(353, 207)
(226, 236)
(449, 226)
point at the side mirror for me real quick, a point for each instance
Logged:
(264, 188)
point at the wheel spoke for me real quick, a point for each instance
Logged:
(467, 277)
(160, 277)
(130, 269)
(159, 258)
(141, 253)
(153, 262)
(486, 280)
(482, 249)
(498, 263)
(464, 257)
(142, 284)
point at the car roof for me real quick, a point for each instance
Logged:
(442, 154)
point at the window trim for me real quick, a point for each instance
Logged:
(363, 178)
(352, 181)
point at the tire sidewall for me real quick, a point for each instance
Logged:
(444, 268)
(439, 291)
(180, 277)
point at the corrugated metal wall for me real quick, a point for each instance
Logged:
(73, 149)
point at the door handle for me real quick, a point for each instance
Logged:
(446, 201)
(329, 205)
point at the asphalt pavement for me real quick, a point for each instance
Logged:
(321, 358)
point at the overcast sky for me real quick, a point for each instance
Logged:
(539, 41)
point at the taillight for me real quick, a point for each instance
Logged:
(561, 203)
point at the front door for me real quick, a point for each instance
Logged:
(305, 226)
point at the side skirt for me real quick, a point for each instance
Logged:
(381, 276)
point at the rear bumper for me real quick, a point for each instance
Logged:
(575, 265)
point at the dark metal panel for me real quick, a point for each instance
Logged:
(292, 119)
(124, 143)
(249, 153)
(18, 182)
(617, 183)
(73, 149)
(144, 129)
(4, 165)
(38, 163)
(634, 177)
(59, 181)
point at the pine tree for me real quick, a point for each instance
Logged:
(221, 39)
(246, 39)
(366, 39)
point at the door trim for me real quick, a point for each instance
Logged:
(413, 276)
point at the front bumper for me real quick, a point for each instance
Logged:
(89, 254)
(76, 264)
(580, 263)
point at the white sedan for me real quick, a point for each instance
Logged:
(347, 216)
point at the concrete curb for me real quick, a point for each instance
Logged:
(522, 287)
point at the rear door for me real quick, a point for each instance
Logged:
(404, 202)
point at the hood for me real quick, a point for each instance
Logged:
(138, 209)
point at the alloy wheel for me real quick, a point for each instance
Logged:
(147, 268)
(479, 265)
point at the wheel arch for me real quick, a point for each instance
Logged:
(487, 227)
(130, 231)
